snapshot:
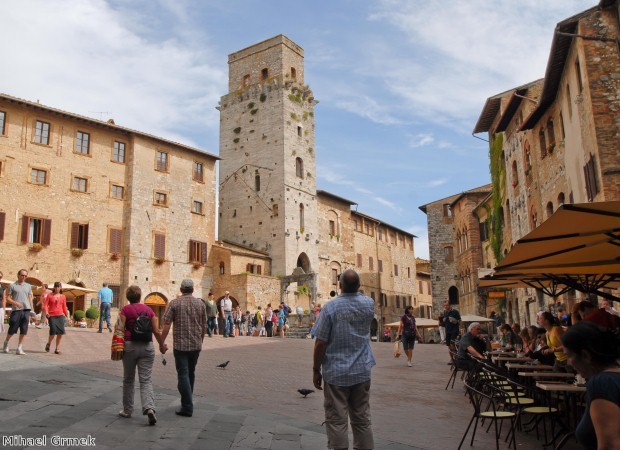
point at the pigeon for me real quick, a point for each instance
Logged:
(305, 392)
(223, 365)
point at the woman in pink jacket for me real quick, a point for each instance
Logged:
(55, 309)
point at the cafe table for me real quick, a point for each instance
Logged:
(572, 414)
(547, 374)
(521, 366)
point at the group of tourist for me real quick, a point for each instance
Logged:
(587, 344)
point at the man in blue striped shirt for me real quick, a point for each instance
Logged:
(343, 358)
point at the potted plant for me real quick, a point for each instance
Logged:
(78, 318)
(92, 314)
(77, 252)
(36, 247)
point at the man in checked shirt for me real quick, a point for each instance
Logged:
(189, 315)
(342, 356)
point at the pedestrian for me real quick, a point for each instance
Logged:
(408, 332)
(189, 316)
(3, 304)
(20, 298)
(105, 296)
(300, 315)
(248, 323)
(139, 352)
(211, 315)
(343, 359)
(55, 310)
(268, 321)
(42, 297)
(451, 319)
(236, 316)
(226, 310)
(281, 316)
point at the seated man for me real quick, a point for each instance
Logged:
(590, 313)
(470, 346)
(510, 337)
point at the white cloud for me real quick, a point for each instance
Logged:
(162, 86)
(421, 140)
(437, 182)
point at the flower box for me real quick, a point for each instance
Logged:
(36, 248)
(77, 252)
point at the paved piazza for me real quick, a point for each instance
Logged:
(251, 404)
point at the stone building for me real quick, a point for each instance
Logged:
(443, 246)
(269, 203)
(556, 140)
(86, 202)
(423, 299)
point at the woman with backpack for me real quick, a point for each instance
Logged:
(140, 324)
(408, 332)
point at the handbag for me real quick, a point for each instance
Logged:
(118, 341)
(396, 349)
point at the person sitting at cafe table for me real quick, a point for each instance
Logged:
(510, 339)
(602, 318)
(471, 345)
(554, 343)
(594, 352)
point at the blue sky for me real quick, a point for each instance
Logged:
(400, 82)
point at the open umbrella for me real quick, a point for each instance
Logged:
(69, 290)
(419, 322)
(578, 246)
(474, 318)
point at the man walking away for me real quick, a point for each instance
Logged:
(451, 318)
(342, 356)
(20, 299)
(105, 296)
(189, 316)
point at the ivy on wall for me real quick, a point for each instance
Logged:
(498, 182)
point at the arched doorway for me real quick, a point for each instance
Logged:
(453, 295)
(304, 262)
(157, 302)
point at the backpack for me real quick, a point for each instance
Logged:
(287, 310)
(243, 318)
(255, 320)
(142, 330)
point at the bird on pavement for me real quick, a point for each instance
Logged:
(223, 365)
(305, 392)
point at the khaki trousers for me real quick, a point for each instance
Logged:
(344, 403)
(142, 356)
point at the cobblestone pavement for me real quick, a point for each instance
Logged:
(252, 403)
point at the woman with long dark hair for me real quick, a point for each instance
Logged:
(55, 309)
(594, 351)
(408, 331)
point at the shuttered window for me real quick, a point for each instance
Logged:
(2, 220)
(159, 245)
(115, 245)
(36, 231)
(197, 252)
(79, 235)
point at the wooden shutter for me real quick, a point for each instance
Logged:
(116, 240)
(85, 237)
(160, 246)
(25, 226)
(2, 220)
(192, 251)
(46, 237)
(75, 235)
(203, 253)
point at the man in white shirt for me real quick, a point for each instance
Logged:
(226, 310)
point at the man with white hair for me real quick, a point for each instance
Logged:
(471, 346)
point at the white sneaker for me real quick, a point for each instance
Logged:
(408, 363)
(20, 351)
(5, 347)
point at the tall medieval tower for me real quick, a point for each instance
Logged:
(268, 168)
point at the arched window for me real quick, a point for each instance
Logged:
(527, 157)
(222, 268)
(560, 199)
(299, 167)
(458, 241)
(256, 181)
(293, 73)
(551, 132)
(515, 174)
(542, 142)
(301, 217)
(465, 239)
(264, 74)
(549, 209)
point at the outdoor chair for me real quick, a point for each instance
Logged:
(492, 412)
(455, 369)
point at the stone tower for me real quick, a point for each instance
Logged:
(268, 168)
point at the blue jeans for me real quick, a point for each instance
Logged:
(104, 312)
(185, 363)
(211, 324)
(229, 326)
